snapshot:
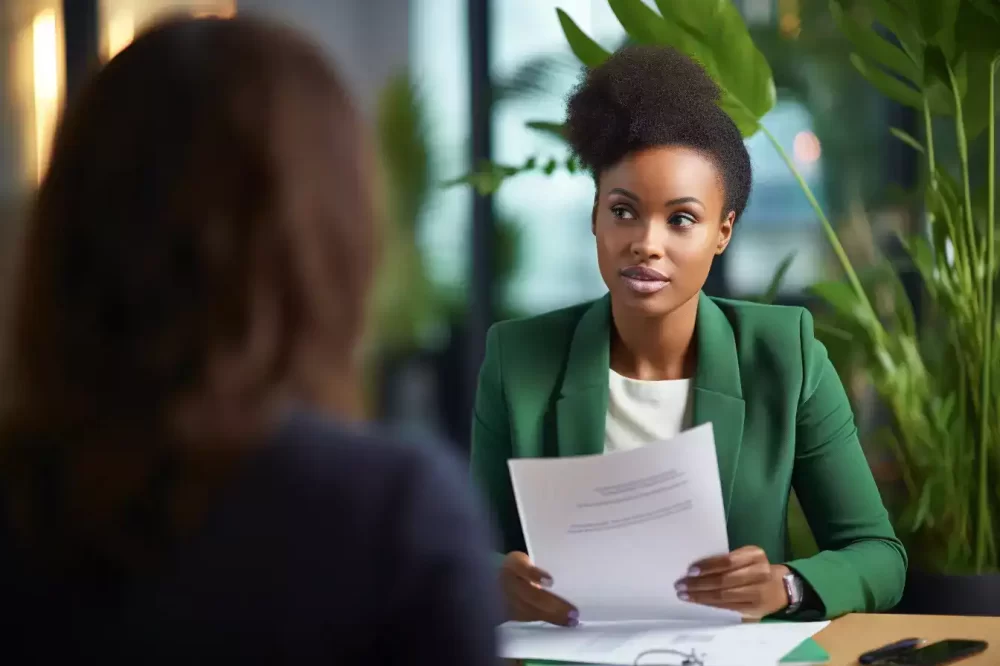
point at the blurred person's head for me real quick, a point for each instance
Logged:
(671, 170)
(198, 258)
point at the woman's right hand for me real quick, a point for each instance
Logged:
(524, 587)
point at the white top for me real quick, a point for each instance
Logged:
(641, 412)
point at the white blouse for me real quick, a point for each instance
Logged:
(641, 412)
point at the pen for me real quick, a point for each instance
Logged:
(890, 650)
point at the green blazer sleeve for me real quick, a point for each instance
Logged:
(861, 565)
(491, 446)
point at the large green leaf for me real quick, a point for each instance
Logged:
(589, 52)
(645, 26)
(900, 21)
(741, 68)
(937, 22)
(711, 32)
(989, 7)
(979, 37)
(887, 84)
(872, 46)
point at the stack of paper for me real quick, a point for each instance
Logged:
(616, 532)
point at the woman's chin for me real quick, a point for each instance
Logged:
(656, 304)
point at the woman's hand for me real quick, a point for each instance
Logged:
(523, 586)
(742, 581)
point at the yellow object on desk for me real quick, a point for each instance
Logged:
(852, 635)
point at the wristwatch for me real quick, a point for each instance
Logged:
(795, 590)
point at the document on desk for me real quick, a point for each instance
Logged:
(628, 643)
(617, 531)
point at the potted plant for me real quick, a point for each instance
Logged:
(938, 375)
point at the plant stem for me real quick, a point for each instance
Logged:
(831, 234)
(929, 131)
(984, 522)
(963, 157)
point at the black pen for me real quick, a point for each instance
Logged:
(890, 650)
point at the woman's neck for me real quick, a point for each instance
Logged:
(654, 348)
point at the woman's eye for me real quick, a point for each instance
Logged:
(681, 220)
(622, 213)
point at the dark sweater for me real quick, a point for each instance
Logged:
(330, 547)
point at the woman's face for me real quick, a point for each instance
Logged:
(659, 223)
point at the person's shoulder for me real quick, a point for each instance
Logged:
(329, 452)
(766, 322)
(775, 340)
(537, 341)
(555, 324)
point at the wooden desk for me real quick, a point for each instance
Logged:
(845, 639)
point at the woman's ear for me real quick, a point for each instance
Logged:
(725, 232)
(593, 216)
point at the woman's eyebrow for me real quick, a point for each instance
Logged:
(625, 193)
(684, 200)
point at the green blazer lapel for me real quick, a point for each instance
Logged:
(718, 392)
(583, 398)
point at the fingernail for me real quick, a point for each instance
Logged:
(573, 623)
(683, 596)
(694, 571)
(546, 581)
(573, 615)
(681, 586)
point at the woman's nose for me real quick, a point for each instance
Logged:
(649, 244)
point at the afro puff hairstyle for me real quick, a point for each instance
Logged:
(650, 96)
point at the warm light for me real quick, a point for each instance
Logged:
(124, 18)
(45, 52)
(228, 12)
(790, 22)
(806, 148)
(791, 26)
(121, 31)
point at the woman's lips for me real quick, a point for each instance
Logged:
(644, 280)
(644, 286)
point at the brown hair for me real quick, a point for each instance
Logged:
(199, 253)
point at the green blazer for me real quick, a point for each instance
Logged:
(781, 419)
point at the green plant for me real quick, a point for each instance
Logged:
(408, 305)
(405, 302)
(938, 376)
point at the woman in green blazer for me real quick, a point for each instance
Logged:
(656, 356)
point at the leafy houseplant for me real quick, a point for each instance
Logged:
(938, 376)
(415, 322)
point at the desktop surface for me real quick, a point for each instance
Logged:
(850, 636)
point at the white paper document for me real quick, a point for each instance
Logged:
(617, 531)
(645, 643)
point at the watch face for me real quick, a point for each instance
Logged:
(793, 586)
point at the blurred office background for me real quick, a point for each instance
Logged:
(448, 83)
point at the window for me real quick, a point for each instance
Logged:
(440, 70)
(556, 261)
(778, 220)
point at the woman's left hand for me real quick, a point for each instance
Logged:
(742, 581)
